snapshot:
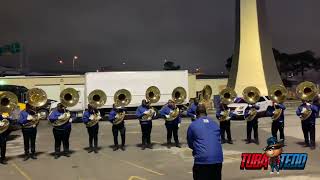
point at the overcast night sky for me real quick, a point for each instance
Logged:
(106, 33)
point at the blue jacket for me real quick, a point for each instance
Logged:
(312, 118)
(191, 112)
(139, 113)
(86, 116)
(270, 110)
(54, 117)
(166, 111)
(220, 109)
(112, 116)
(246, 112)
(203, 138)
(23, 118)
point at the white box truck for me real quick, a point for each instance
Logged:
(136, 82)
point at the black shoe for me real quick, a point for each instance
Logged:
(116, 147)
(90, 150)
(313, 147)
(66, 154)
(3, 161)
(256, 141)
(95, 150)
(223, 141)
(149, 146)
(143, 147)
(178, 145)
(306, 145)
(123, 148)
(248, 141)
(56, 156)
(26, 157)
(33, 156)
(230, 142)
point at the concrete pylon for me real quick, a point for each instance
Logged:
(253, 62)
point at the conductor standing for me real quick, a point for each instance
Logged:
(203, 138)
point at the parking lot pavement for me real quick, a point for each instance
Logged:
(159, 163)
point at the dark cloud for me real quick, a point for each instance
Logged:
(145, 32)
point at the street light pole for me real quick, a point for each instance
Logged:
(74, 58)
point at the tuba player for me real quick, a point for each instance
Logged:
(117, 120)
(61, 131)
(224, 115)
(29, 120)
(308, 123)
(89, 116)
(145, 114)
(252, 123)
(172, 122)
(191, 112)
(277, 113)
(3, 136)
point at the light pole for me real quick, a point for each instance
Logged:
(74, 58)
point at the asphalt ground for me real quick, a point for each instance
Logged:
(159, 163)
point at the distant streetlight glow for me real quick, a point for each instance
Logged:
(74, 58)
(60, 62)
(123, 63)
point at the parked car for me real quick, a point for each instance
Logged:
(240, 105)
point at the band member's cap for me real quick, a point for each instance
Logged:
(273, 143)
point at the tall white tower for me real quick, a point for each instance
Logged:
(253, 62)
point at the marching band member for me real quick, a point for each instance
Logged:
(191, 112)
(224, 115)
(252, 123)
(3, 136)
(61, 132)
(118, 125)
(308, 123)
(145, 114)
(203, 138)
(91, 117)
(172, 123)
(277, 113)
(29, 121)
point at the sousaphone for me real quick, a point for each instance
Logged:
(8, 102)
(227, 96)
(121, 99)
(97, 98)
(278, 94)
(36, 98)
(153, 96)
(307, 91)
(251, 95)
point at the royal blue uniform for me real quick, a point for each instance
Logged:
(171, 126)
(191, 112)
(308, 125)
(146, 125)
(116, 128)
(225, 125)
(92, 131)
(61, 133)
(253, 124)
(203, 138)
(29, 133)
(277, 124)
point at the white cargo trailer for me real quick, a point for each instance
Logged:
(136, 82)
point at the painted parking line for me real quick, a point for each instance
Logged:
(23, 173)
(141, 167)
(135, 165)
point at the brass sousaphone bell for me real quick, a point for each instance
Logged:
(251, 95)
(277, 94)
(36, 98)
(121, 99)
(153, 96)
(8, 102)
(306, 91)
(69, 97)
(97, 98)
(179, 95)
(227, 96)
